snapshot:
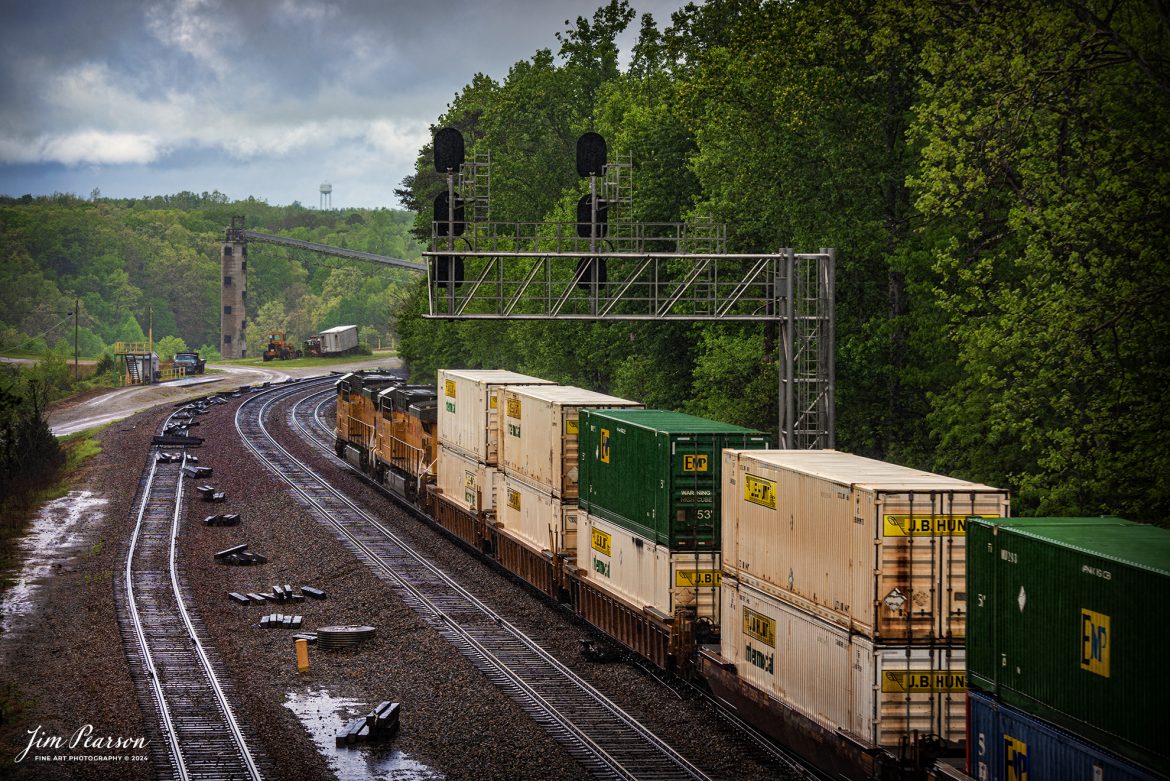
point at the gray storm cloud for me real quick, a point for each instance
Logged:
(127, 96)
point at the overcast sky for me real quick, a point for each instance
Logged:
(268, 98)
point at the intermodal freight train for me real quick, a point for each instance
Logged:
(824, 595)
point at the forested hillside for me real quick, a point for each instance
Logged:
(995, 178)
(131, 262)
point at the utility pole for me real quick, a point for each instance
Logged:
(76, 309)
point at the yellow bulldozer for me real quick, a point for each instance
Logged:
(280, 347)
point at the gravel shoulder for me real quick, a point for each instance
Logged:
(65, 667)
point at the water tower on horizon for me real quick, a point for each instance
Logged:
(326, 196)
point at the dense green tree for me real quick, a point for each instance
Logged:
(1045, 154)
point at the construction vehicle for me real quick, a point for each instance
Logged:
(280, 347)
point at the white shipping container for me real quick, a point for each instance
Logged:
(339, 339)
(878, 548)
(465, 481)
(878, 693)
(645, 574)
(469, 419)
(539, 442)
(536, 515)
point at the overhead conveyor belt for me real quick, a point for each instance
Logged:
(325, 249)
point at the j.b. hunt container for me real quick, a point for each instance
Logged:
(540, 435)
(535, 515)
(645, 574)
(469, 419)
(1006, 744)
(657, 473)
(875, 547)
(877, 693)
(1076, 618)
(465, 481)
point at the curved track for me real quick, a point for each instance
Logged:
(173, 671)
(606, 740)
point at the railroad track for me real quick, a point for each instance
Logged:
(173, 670)
(608, 742)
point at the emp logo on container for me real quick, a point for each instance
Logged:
(449, 388)
(601, 542)
(513, 499)
(513, 408)
(1015, 759)
(759, 491)
(603, 446)
(1095, 641)
(694, 463)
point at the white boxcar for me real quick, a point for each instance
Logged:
(878, 548)
(843, 681)
(539, 441)
(465, 481)
(339, 339)
(645, 574)
(469, 419)
(536, 516)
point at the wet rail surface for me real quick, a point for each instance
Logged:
(173, 667)
(608, 742)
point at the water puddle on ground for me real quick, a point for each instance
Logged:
(51, 540)
(323, 715)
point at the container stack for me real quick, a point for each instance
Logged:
(1065, 634)
(537, 489)
(844, 590)
(649, 526)
(469, 433)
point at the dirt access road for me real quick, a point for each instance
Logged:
(82, 412)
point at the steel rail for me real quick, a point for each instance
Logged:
(192, 727)
(572, 710)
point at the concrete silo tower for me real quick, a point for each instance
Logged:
(233, 293)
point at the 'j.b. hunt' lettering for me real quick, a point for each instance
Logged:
(922, 681)
(765, 661)
(1095, 642)
(896, 525)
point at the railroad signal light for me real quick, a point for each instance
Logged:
(586, 282)
(449, 151)
(443, 270)
(443, 214)
(585, 217)
(590, 154)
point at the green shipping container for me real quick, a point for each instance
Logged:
(658, 473)
(1068, 622)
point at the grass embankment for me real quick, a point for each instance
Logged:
(17, 512)
(294, 363)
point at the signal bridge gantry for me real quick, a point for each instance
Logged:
(603, 267)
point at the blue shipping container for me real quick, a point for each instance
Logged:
(1005, 744)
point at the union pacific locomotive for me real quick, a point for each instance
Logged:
(821, 594)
